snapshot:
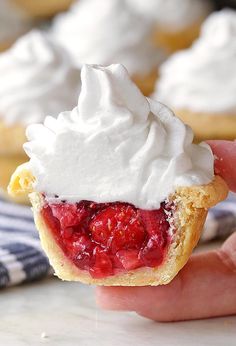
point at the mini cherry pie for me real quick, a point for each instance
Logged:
(118, 243)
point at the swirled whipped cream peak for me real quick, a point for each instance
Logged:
(173, 14)
(116, 145)
(106, 32)
(202, 78)
(37, 78)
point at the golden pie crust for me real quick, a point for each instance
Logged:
(4, 45)
(209, 126)
(173, 41)
(12, 155)
(8, 165)
(146, 83)
(12, 138)
(192, 204)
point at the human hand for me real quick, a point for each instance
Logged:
(205, 287)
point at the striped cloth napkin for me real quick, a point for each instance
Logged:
(221, 220)
(22, 258)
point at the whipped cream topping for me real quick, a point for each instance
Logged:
(116, 145)
(37, 78)
(13, 21)
(108, 31)
(202, 78)
(173, 14)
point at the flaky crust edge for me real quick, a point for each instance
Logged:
(192, 206)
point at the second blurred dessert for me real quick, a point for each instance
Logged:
(177, 22)
(37, 78)
(13, 23)
(200, 83)
(110, 31)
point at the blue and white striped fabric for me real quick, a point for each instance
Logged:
(21, 256)
(221, 220)
(23, 260)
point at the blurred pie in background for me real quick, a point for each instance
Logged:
(200, 83)
(177, 22)
(13, 23)
(37, 79)
(110, 31)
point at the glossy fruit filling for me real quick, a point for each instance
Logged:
(109, 238)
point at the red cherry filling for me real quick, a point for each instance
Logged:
(107, 238)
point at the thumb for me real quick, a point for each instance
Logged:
(225, 161)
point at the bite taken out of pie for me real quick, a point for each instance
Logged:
(119, 191)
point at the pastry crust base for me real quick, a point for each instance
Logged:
(209, 126)
(147, 82)
(12, 155)
(12, 139)
(8, 165)
(192, 205)
(173, 41)
(43, 8)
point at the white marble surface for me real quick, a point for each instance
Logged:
(57, 313)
